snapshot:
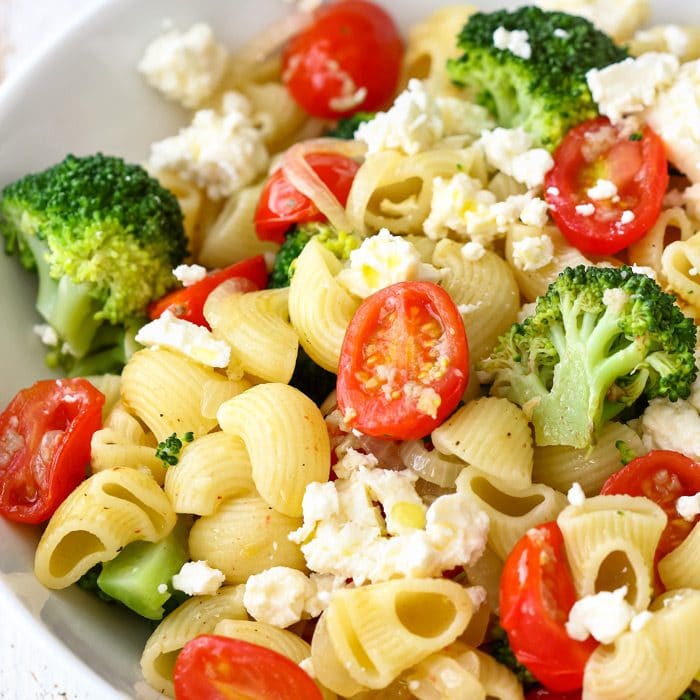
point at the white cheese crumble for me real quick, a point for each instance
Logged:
(219, 152)
(603, 616)
(277, 595)
(640, 620)
(627, 217)
(185, 337)
(615, 299)
(511, 152)
(535, 212)
(351, 462)
(586, 209)
(533, 252)
(473, 251)
(198, 578)
(671, 425)
(531, 167)
(162, 588)
(631, 85)
(189, 274)
(575, 495)
(517, 42)
(185, 66)
(382, 260)
(688, 507)
(603, 189)
(561, 33)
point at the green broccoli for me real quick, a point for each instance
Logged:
(600, 339)
(499, 648)
(689, 694)
(168, 450)
(339, 243)
(103, 237)
(545, 94)
(346, 128)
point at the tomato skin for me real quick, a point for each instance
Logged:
(662, 476)
(212, 667)
(188, 303)
(386, 331)
(281, 205)
(638, 169)
(45, 434)
(349, 40)
(536, 594)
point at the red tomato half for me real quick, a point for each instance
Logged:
(45, 435)
(188, 303)
(348, 59)
(662, 476)
(536, 594)
(404, 362)
(211, 667)
(596, 150)
(281, 205)
(544, 694)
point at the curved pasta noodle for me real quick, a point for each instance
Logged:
(610, 542)
(680, 568)
(256, 326)
(512, 512)
(211, 469)
(198, 615)
(381, 629)
(190, 199)
(320, 309)
(486, 572)
(656, 662)
(493, 435)
(442, 676)
(680, 264)
(488, 290)
(286, 438)
(280, 640)
(105, 513)
(244, 537)
(122, 442)
(559, 466)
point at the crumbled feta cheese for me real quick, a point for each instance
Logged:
(561, 33)
(185, 66)
(672, 425)
(531, 167)
(603, 189)
(323, 586)
(352, 461)
(587, 209)
(535, 212)
(412, 124)
(688, 507)
(575, 495)
(615, 299)
(501, 146)
(526, 310)
(644, 270)
(277, 595)
(190, 274)
(533, 252)
(162, 588)
(185, 337)
(627, 217)
(461, 117)
(198, 578)
(473, 251)
(382, 260)
(220, 152)
(603, 616)
(517, 42)
(640, 620)
(47, 334)
(628, 87)
(478, 596)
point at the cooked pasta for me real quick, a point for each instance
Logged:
(680, 568)
(680, 264)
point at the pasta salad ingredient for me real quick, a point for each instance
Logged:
(347, 60)
(45, 434)
(404, 363)
(607, 186)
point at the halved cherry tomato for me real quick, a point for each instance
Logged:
(544, 694)
(536, 594)
(348, 59)
(404, 362)
(662, 476)
(188, 303)
(45, 434)
(637, 166)
(211, 667)
(281, 205)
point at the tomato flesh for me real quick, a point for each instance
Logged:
(281, 205)
(45, 434)
(404, 362)
(536, 594)
(348, 59)
(597, 150)
(212, 667)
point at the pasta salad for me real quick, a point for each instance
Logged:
(381, 373)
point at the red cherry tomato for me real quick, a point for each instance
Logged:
(281, 205)
(662, 476)
(45, 434)
(404, 362)
(348, 59)
(597, 150)
(544, 694)
(536, 594)
(211, 667)
(188, 303)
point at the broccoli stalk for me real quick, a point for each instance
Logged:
(103, 237)
(168, 450)
(599, 340)
(546, 93)
(499, 648)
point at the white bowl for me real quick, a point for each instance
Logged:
(81, 96)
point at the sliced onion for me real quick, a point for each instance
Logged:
(430, 464)
(271, 39)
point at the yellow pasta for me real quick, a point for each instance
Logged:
(680, 264)
(680, 568)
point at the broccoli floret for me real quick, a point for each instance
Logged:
(103, 237)
(168, 450)
(599, 340)
(339, 243)
(689, 694)
(545, 94)
(346, 128)
(500, 649)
